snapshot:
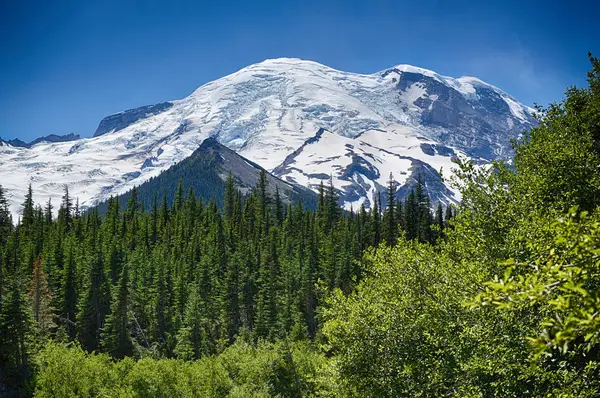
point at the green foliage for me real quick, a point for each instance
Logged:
(116, 339)
(507, 304)
(179, 281)
(561, 281)
(496, 297)
(242, 370)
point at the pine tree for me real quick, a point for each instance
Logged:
(439, 220)
(263, 203)
(376, 214)
(178, 202)
(266, 300)
(15, 326)
(229, 197)
(40, 298)
(68, 310)
(94, 304)
(131, 220)
(161, 305)
(65, 212)
(423, 213)
(278, 207)
(154, 220)
(28, 217)
(332, 209)
(116, 338)
(448, 214)
(309, 279)
(48, 212)
(230, 298)
(187, 279)
(5, 220)
(390, 222)
(191, 336)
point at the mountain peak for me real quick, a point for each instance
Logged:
(47, 139)
(404, 120)
(210, 142)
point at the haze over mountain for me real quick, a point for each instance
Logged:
(300, 120)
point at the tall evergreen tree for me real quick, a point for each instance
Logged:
(94, 303)
(191, 336)
(15, 329)
(116, 338)
(439, 220)
(5, 220)
(390, 222)
(68, 305)
(65, 212)
(28, 215)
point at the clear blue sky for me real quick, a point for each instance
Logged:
(66, 64)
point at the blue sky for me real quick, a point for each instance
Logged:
(67, 64)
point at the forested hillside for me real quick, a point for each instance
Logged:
(184, 280)
(205, 171)
(496, 298)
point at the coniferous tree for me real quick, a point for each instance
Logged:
(178, 202)
(48, 212)
(191, 336)
(68, 304)
(116, 338)
(154, 220)
(411, 215)
(448, 214)
(390, 222)
(40, 298)
(439, 220)
(94, 303)
(28, 215)
(229, 197)
(65, 212)
(266, 301)
(187, 279)
(376, 215)
(230, 298)
(5, 219)
(15, 328)
(278, 207)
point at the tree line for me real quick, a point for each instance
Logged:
(185, 280)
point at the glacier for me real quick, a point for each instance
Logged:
(301, 120)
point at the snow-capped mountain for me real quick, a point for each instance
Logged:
(303, 121)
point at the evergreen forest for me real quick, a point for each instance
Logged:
(497, 296)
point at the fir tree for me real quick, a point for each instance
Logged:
(40, 298)
(190, 338)
(68, 307)
(15, 328)
(94, 304)
(28, 217)
(65, 212)
(5, 219)
(116, 338)
(390, 222)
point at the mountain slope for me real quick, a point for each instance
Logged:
(206, 170)
(403, 120)
(47, 138)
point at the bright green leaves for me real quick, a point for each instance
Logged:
(561, 281)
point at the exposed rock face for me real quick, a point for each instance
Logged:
(48, 138)
(473, 122)
(121, 120)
